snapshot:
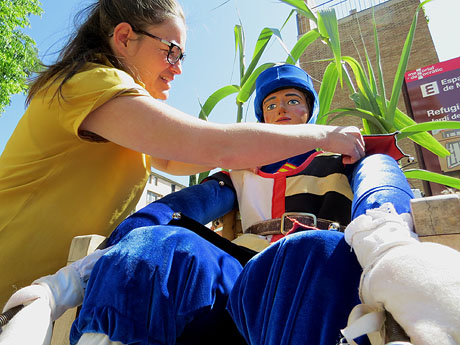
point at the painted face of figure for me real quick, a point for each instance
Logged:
(286, 106)
(159, 54)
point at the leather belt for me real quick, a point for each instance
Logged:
(284, 224)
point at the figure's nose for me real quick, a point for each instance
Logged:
(282, 108)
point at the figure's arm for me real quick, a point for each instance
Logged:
(147, 125)
(203, 203)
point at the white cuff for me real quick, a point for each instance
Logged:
(379, 230)
(67, 286)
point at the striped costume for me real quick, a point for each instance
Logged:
(316, 182)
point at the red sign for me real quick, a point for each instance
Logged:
(434, 95)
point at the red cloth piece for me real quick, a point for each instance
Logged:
(383, 143)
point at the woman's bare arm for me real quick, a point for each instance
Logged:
(178, 168)
(146, 125)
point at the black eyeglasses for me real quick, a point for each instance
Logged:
(174, 53)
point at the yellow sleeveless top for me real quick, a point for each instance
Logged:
(55, 185)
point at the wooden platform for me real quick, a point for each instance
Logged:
(437, 219)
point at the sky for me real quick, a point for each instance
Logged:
(210, 62)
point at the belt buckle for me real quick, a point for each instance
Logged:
(285, 214)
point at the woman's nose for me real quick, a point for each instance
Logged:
(177, 67)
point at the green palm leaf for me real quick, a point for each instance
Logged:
(381, 85)
(262, 42)
(302, 8)
(402, 66)
(362, 114)
(427, 126)
(329, 28)
(425, 139)
(433, 177)
(371, 75)
(301, 45)
(202, 176)
(249, 86)
(215, 98)
(239, 47)
(326, 92)
(367, 97)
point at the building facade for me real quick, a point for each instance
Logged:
(393, 19)
(157, 187)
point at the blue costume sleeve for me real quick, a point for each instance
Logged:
(377, 179)
(203, 203)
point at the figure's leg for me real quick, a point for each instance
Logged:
(376, 180)
(154, 284)
(300, 290)
(96, 339)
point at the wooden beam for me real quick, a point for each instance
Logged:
(79, 248)
(436, 215)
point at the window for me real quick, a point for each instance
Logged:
(454, 159)
(153, 179)
(152, 196)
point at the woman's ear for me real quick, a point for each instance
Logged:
(121, 39)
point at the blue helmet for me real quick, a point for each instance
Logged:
(283, 77)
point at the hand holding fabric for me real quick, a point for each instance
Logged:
(345, 140)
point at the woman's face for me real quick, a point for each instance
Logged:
(287, 106)
(149, 59)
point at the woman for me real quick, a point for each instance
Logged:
(80, 156)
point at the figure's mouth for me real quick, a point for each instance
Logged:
(283, 119)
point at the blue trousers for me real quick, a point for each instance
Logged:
(300, 290)
(163, 284)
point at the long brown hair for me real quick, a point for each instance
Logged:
(91, 38)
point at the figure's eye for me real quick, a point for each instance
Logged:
(271, 106)
(293, 102)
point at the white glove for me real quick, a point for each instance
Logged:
(62, 290)
(32, 325)
(418, 283)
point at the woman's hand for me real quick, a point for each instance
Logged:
(345, 140)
